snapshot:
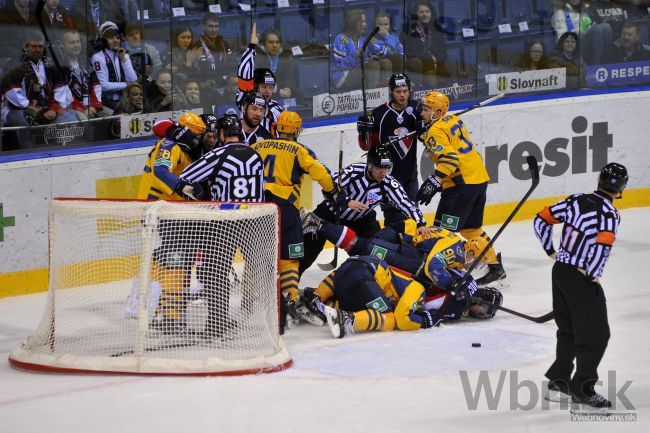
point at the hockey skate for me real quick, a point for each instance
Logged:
(495, 275)
(592, 403)
(310, 308)
(341, 322)
(311, 223)
(557, 392)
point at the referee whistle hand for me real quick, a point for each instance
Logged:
(357, 206)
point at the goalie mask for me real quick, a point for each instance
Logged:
(484, 311)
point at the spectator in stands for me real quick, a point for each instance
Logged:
(534, 56)
(272, 55)
(56, 19)
(143, 67)
(133, 44)
(567, 56)
(112, 65)
(132, 101)
(163, 92)
(386, 47)
(214, 62)
(228, 95)
(84, 85)
(192, 93)
(90, 14)
(628, 48)
(15, 21)
(35, 92)
(345, 67)
(425, 47)
(181, 56)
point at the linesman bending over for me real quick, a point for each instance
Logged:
(590, 226)
(285, 164)
(364, 186)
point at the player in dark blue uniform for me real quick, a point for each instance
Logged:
(393, 121)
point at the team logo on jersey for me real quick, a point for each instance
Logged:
(450, 222)
(296, 251)
(373, 198)
(378, 252)
(402, 145)
(377, 304)
(442, 259)
(409, 110)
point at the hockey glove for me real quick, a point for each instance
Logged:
(428, 189)
(462, 292)
(190, 190)
(430, 318)
(365, 125)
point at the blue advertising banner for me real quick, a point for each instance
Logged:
(619, 73)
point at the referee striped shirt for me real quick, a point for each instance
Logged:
(234, 172)
(357, 185)
(590, 226)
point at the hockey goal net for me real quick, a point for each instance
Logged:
(159, 288)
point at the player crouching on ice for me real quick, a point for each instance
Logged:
(438, 260)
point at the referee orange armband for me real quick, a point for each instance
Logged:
(606, 238)
(547, 216)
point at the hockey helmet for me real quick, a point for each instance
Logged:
(436, 101)
(230, 125)
(473, 248)
(210, 121)
(379, 156)
(289, 122)
(162, 128)
(399, 80)
(263, 76)
(185, 138)
(254, 98)
(613, 178)
(193, 122)
(479, 310)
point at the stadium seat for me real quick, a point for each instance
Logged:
(396, 11)
(488, 14)
(454, 16)
(518, 11)
(264, 20)
(295, 28)
(321, 24)
(313, 76)
(509, 50)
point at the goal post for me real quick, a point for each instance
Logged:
(168, 288)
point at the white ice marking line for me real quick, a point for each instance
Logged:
(70, 391)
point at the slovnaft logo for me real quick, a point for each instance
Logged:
(527, 81)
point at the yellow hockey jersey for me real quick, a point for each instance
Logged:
(456, 159)
(165, 163)
(285, 164)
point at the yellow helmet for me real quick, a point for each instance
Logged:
(475, 246)
(193, 122)
(289, 122)
(437, 102)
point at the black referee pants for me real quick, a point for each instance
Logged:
(365, 227)
(583, 331)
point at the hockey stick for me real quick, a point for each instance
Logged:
(481, 104)
(541, 319)
(363, 70)
(332, 265)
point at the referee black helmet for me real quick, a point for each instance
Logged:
(379, 156)
(613, 178)
(229, 124)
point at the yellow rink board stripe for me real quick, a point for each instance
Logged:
(102, 271)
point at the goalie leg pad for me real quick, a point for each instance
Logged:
(173, 281)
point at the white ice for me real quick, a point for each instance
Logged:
(370, 383)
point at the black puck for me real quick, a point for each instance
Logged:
(476, 344)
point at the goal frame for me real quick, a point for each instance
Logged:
(46, 368)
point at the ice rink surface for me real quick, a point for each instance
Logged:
(391, 382)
